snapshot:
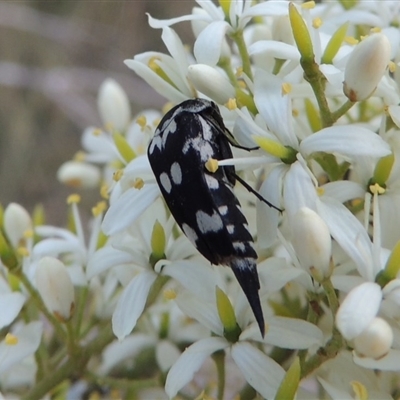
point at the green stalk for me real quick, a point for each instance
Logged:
(244, 55)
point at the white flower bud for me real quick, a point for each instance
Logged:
(366, 66)
(113, 104)
(79, 174)
(312, 242)
(375, 341)
(17, 221)
(55, 286)
(211, 82)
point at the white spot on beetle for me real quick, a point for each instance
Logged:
(208, 223)
(165, 182)
(156, 142)
(223, 210)
(176, 173)
(239, 246)
(230, 228)
(212, 183)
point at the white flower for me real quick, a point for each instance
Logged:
(78, 174)
(22, 342)
(17, 222)
(375, 341)
(312, 242)
(366, 66)
(211, 82)
(55, 287)
(113, 105)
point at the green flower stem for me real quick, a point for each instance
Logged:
(334, 345)
(219, 359)
(244, 55)
(323, 354)
(72, 367)
(342, 110)
(317, 80)
(225, 64)
(313, 313)
(82, 302)
(124, 384)
(39, 302)
(331, 295)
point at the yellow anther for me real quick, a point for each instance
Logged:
(28, 233)
(141, 121)
(169, 294)
(286, 88)
(386, 110)
(242, 84)
(317, 22)
(138, 183)
(308, 5)
(360, 390)
(239, 72)
(231, 104)
(166, 107)
(73, 198)
(118, 175)
(211, 165)
(376, 29)
(320, 191)
(392, 66)
(97, 132)
(104, 191)
(351, 40)
(80, 156)
(295, 112)
(23, 251)
(109, 126)
(11, 339)
(99, 208)
(377, 189)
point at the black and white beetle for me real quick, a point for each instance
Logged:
(202, 202)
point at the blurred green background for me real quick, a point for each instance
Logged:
(53, 57)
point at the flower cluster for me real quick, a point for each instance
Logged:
(130, 305)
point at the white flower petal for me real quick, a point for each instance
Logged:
(161, 23)
(167, 354)
(274, 273)
(274, 106)
(260, 371)
(267, 217)
(29, 337)
(160, 85)
(343, 190)
(390, 362)
(105, 258)
(10, 306)
(119, 351)
(346, 140)
(131, 303)
(199, 278)
(358, 309)
(182, 372)
(275, 49)
(348, 231)
(299, 190)
(207, 48)
(200, 310)
(291, 333)
(334, 391)
(124, 211)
